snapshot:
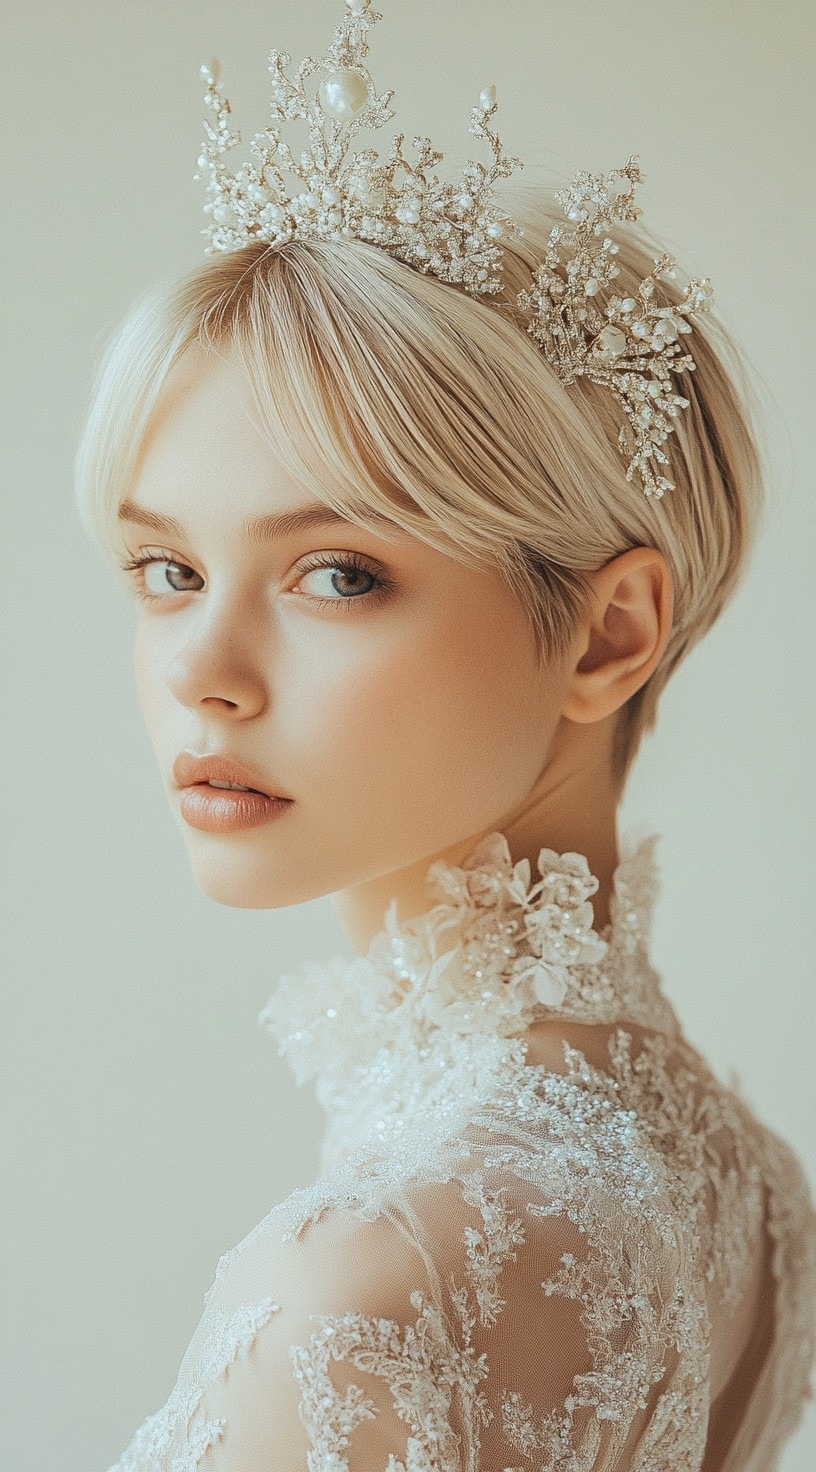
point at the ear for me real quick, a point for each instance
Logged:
(623, 635)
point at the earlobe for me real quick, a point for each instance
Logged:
(624, 634)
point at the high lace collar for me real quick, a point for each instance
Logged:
(496, 953)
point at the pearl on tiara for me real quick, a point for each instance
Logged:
(456, 231)
(343, 95)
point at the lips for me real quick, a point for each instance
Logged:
(190, 770)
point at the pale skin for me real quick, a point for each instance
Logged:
(404, 729)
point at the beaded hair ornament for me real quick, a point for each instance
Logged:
(454, 230)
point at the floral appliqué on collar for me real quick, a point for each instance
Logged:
(496, 953)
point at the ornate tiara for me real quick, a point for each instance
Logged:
(455, 230)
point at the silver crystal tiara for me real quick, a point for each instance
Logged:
(455, 230)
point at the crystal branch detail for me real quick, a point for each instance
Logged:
(633, 346)
(455, 231)
(450, 230)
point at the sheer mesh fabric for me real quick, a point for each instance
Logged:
(543, 1236)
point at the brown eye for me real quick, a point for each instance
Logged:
(170, 577)
(343, 581)
(347, 581)
(175, 575)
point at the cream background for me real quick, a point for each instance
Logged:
(149, 1122)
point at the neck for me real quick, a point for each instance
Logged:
(572, 808)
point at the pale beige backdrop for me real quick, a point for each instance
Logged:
(149, 1122)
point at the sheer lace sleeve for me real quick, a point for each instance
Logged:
(474, 1323)
(368, 1359)
(539, 1293)
(343, 1367)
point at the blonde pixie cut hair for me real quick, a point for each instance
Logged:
(382, 388)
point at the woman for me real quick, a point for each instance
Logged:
(399, 585)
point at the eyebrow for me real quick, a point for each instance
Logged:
(258, 529)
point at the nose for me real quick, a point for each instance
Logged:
(218, 666)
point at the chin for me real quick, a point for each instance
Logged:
(245, 881)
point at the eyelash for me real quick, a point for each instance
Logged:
(346, 563)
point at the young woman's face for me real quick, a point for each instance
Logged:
(389, 691)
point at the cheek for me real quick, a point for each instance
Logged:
(446, 703)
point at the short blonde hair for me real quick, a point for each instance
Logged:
(382, 388)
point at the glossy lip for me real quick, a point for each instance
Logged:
(190, 769)
(217, 810)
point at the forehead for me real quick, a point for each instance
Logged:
(200, 417)
(203, 461)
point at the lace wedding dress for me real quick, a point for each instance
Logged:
(544, 1236)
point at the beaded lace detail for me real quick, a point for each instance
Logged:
(495, 954)
(507, 1264)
